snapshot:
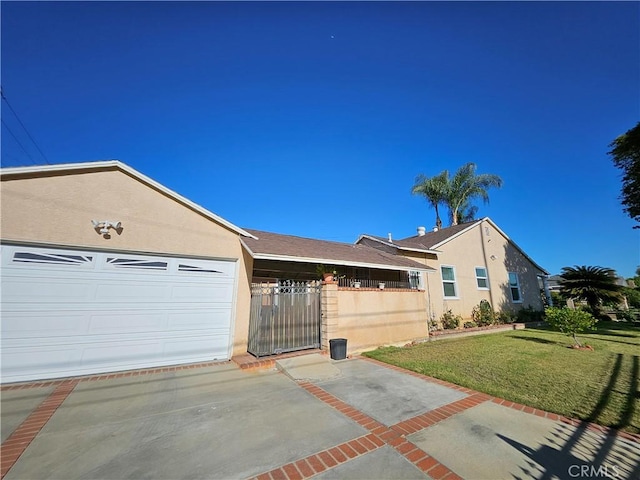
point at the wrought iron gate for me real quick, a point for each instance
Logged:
(284, 317)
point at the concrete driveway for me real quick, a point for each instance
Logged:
(328, 420)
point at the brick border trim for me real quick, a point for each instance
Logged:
(109, 376)
(379, 436)
(14, 446)
(518, 406)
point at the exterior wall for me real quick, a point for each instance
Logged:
(481, 246)
(371, 318)
(57, 209)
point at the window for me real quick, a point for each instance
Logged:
(449, 282)
(514, 286)
(135, 263)
(482, 280)
(415, 280)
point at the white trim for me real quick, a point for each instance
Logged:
(486, 277)
(110, 164)
(516, 286)
(332, 261)
(455, 283)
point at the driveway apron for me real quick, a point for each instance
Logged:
(368, 420)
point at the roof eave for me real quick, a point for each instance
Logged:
(399, 247)
(333, 261)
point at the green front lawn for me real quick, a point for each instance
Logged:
(534, 367)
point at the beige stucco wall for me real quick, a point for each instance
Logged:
(371, 318)
(57, 209)
(481, 246)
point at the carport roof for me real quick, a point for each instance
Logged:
(275, 246)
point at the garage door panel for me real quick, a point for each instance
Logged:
(130, 291)
(129, 321)
(33, 290)
(181, 320)
(95, 315)
(42, 324)
(213, 293)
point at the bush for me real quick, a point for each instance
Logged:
(505, 316)
(483, 314)
(449, 320)
(470, 324)
(569, 321)
(529, 314)
(434, 326)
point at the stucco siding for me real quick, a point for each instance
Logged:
(57, 209)
(368, 319)
(480, 246)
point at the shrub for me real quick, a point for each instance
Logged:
(434, 326)
(470, 324)
(483, 314)
(529, 314)
(569, 321)
(505, 316)
(449, 320)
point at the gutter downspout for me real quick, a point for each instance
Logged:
(486, 265)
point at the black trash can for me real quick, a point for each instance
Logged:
(338, 348)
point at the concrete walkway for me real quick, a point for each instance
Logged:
(309, 417)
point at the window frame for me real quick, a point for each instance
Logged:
(516, 286)
(485, 278)
(454, 282)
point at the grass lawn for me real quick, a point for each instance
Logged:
(534, 367)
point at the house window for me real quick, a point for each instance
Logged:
(514, 286)
(415, 280)
(449, 282)
(482, 280)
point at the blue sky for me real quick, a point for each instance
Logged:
(314, 118)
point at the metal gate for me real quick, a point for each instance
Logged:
(284, 317)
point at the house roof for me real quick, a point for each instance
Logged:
(275, 246)
(431, 241)
(425, 243)
(85, 167)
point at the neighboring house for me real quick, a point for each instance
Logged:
(165, 282)
(473, 261)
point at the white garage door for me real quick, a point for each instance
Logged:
(71, 312)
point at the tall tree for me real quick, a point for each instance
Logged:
(594, 285)
(465, 186)
(625, 151)
(434, 189)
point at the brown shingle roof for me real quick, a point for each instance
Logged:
(324, 251)
(431, 239)
(428, 240)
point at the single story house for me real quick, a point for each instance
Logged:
(104, 269)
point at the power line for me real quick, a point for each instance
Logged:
(18, 141)
(23, 127)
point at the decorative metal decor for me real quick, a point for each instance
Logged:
(285, 316)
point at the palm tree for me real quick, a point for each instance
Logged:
(594, 285)
(465, 186)
(434, 189)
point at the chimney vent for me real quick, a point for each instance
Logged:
(390, 239)
(421, 231)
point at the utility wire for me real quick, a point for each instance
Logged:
(23, 127)
(18, 141)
